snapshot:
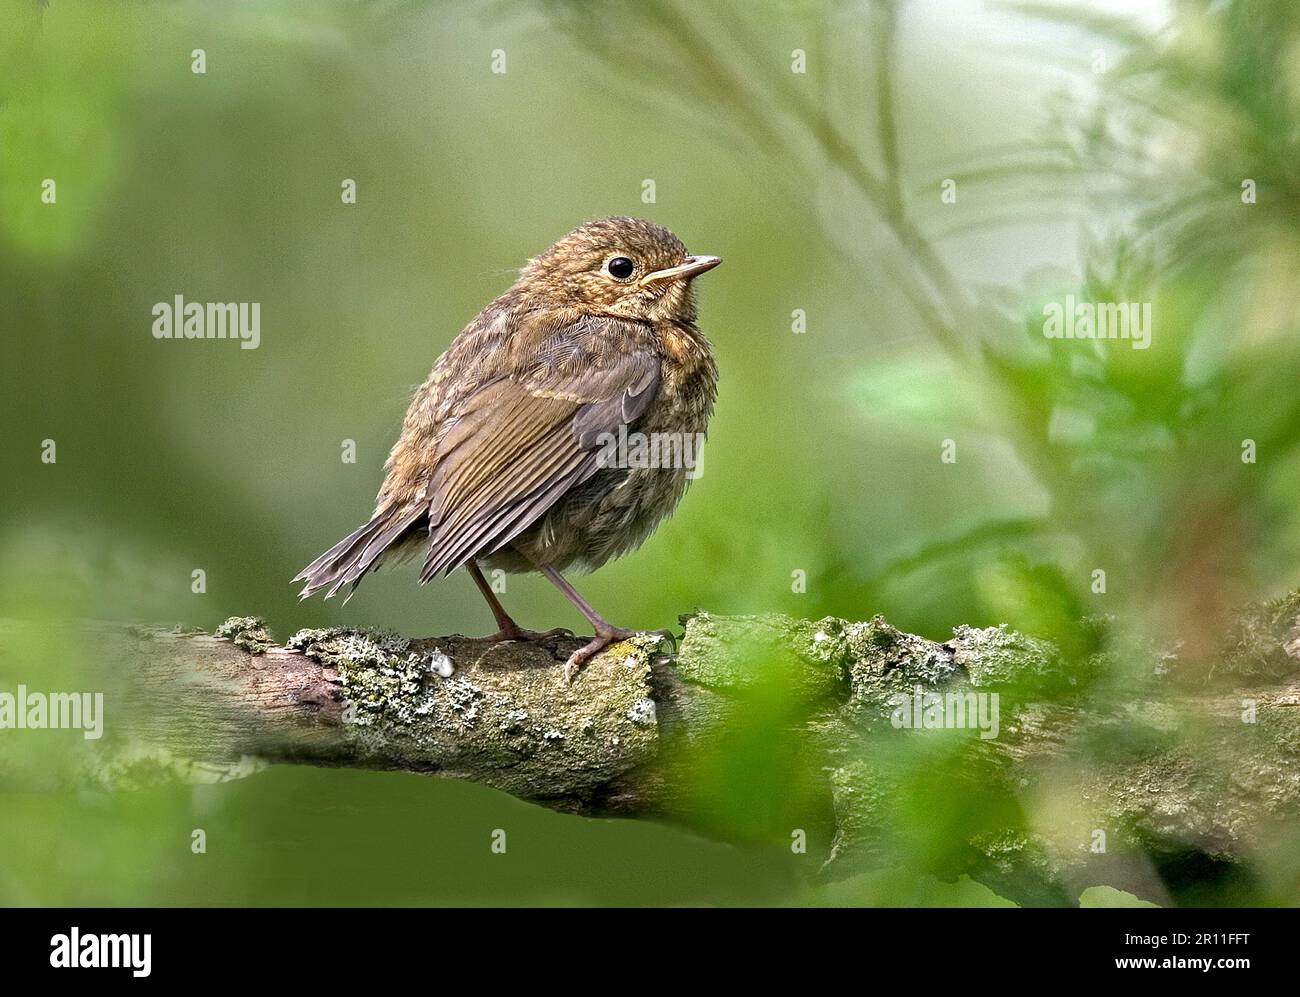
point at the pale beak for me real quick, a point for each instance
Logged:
(693, 266)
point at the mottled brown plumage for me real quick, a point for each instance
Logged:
(498, 459)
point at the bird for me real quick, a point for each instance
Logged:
(504, 458)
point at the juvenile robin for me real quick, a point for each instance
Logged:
(504, 456)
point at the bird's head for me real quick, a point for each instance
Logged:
(625, 267)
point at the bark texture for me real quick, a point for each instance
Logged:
(1160, 753)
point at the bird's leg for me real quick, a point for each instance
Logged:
(509, 629)
(606, 633)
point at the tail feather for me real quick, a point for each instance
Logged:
(354, 555)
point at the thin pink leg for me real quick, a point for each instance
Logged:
(606, 632)
(509, 629)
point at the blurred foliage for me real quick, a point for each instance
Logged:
(1112, 182)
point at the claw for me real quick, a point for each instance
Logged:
(582, 655)
(571, 669)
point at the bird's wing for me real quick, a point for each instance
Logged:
(521, 440)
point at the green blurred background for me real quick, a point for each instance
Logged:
(1096, 150)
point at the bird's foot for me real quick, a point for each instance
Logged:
(514, 632)
(604, 637)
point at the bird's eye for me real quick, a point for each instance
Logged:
(620, 268)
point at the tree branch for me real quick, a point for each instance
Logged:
(1159, 754)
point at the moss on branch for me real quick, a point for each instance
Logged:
(1158, 762)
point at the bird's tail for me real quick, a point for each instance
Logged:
(354, 555)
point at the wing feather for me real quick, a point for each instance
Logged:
(520, 442)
